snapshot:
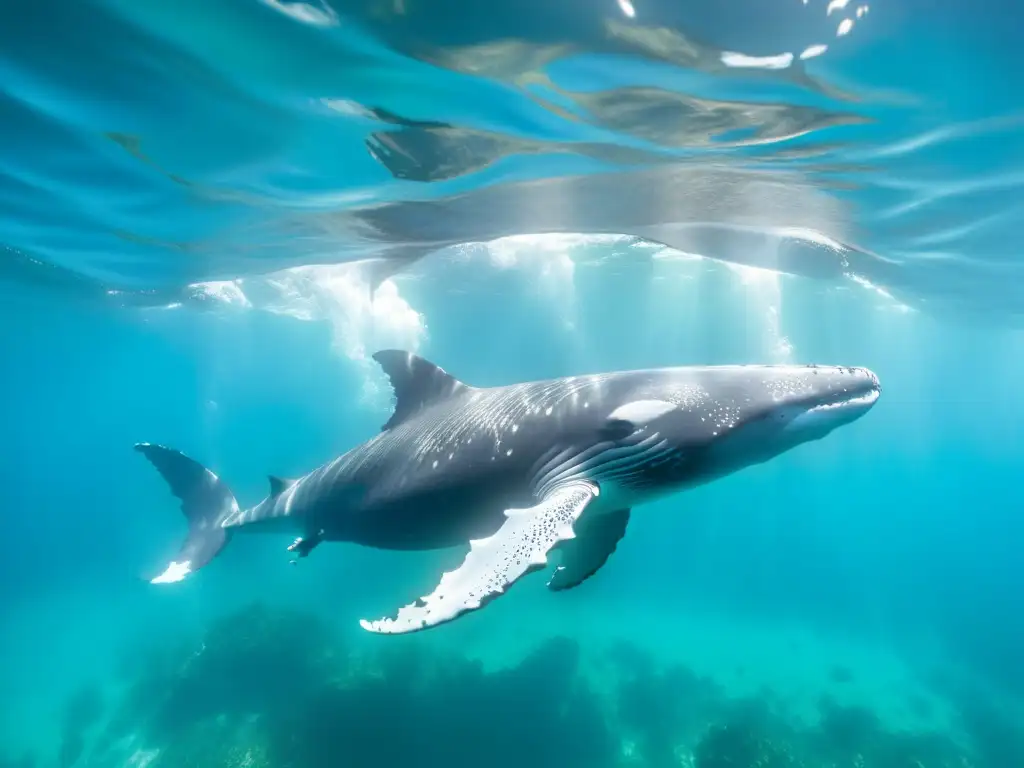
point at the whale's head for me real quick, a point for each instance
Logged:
(729, 417)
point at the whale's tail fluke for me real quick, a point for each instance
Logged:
(206, 501)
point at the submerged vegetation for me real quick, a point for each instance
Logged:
(273, 688)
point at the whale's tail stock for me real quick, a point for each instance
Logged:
(206, 501)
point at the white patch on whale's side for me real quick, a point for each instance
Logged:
(641, 412)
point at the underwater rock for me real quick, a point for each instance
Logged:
(662, 708)
(274, 688)
(997, 736)
(251, 664)
(216, 743)
(750, 738)
(854, 737)
(847, 729)
(255, 661)
(539, 713)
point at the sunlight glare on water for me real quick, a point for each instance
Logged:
(627, 124)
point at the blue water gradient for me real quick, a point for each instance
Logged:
(197, 200)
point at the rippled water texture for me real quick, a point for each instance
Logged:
(153, 147)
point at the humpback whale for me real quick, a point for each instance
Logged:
(522, 471)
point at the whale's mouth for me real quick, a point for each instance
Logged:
(864, 399)
(844, 404)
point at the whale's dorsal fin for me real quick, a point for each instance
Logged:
(279, 485)
(417, 383)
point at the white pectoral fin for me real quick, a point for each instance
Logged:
(521, 545)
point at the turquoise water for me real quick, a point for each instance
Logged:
(197, 200)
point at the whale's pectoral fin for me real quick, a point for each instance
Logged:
(303, 545)
(596, 539)
(520, 546)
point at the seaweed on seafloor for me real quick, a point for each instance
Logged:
(854, 737)
(997, 736)
(538, 713)
(247, 668)
(257, 661)
(269, 688)
(661, 709)
(749, 735)
(217, 743)
(275, 688)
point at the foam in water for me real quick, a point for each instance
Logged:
(340, 295)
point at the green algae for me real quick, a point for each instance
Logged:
(266, 687)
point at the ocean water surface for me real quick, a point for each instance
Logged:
(212, 214)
